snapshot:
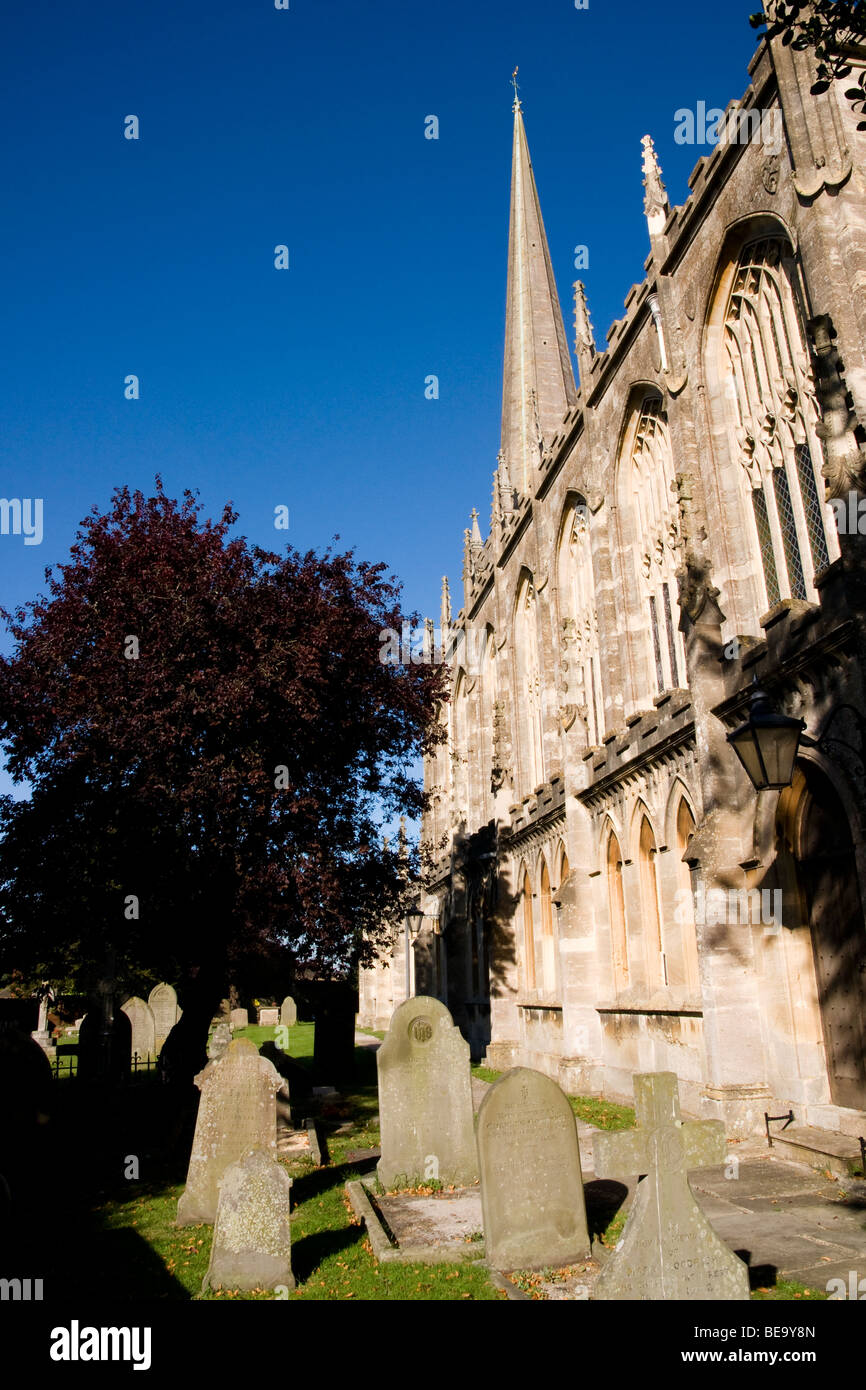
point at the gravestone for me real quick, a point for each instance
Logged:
(163, 1001)
(425, 1100)
(219, 1041)
(237, 1112)
(104, 1045)
(252, 1239)
(140, 1015)
(269, 1016)
(239, 1018)
(531, 1184)
(42, 1035)
(668, 1248)
(288, 1012)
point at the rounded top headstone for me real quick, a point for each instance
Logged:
(239, 1046)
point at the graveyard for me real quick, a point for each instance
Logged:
(416, 1177)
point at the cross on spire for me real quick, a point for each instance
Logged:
(517, 106)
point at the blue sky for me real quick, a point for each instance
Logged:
(305, 127)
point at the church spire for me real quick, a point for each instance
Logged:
(538, 386)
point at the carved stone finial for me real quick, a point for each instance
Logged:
(655, 203)
(845, 460)
(694, 574)
(584, 338)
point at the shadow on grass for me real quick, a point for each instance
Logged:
(309, 1252)
(604, 1198)
(760, 1276)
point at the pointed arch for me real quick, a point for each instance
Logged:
(757, 350)
(528, 931)
(616, 909)
(650, 540)
(562, 865)
(685, 968)
(647, 857)
(548, 935)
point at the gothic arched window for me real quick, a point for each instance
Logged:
(548, 940)
(649, 893)
(528, 933)
(685, 827)
(616, 905)
(773, 418)
(656, 524)
(579, 619)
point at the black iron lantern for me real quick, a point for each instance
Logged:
(767, 743)
(415, 917)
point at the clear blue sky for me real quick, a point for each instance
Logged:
(260, 126)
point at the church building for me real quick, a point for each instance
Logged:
(677, 522)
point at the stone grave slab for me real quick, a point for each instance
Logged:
(252, 1239)
(668, 1248)
(237, 1112)
(425, 1100)
(268, 1017)
(288, 1012)
(531, 1183)
(140, 1015)
(239, 1018)
(163, 1001)
(218, 1041)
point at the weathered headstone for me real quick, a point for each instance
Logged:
(531, 1183)
(104, 1045)
(288, 1012)
(425, 1100)
(163, 1001)
(269, 1017)
(239, 1018)
(237, 1112)
(140, 1015)
(252, 1239)
(219, 1041)
(668, 1248)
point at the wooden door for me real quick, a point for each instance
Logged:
(828, 870)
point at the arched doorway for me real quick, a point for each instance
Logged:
(814, 830)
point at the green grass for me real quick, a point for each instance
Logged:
(787, 1291)
(485, 1074)
(604, 1114)
(301, 1037)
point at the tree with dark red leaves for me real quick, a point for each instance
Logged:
(212, 742)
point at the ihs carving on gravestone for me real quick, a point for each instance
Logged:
(668, 1248)
(425, 1099)
(531, 1184)
(237, 1112)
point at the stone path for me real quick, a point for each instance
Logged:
(794, 1223)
